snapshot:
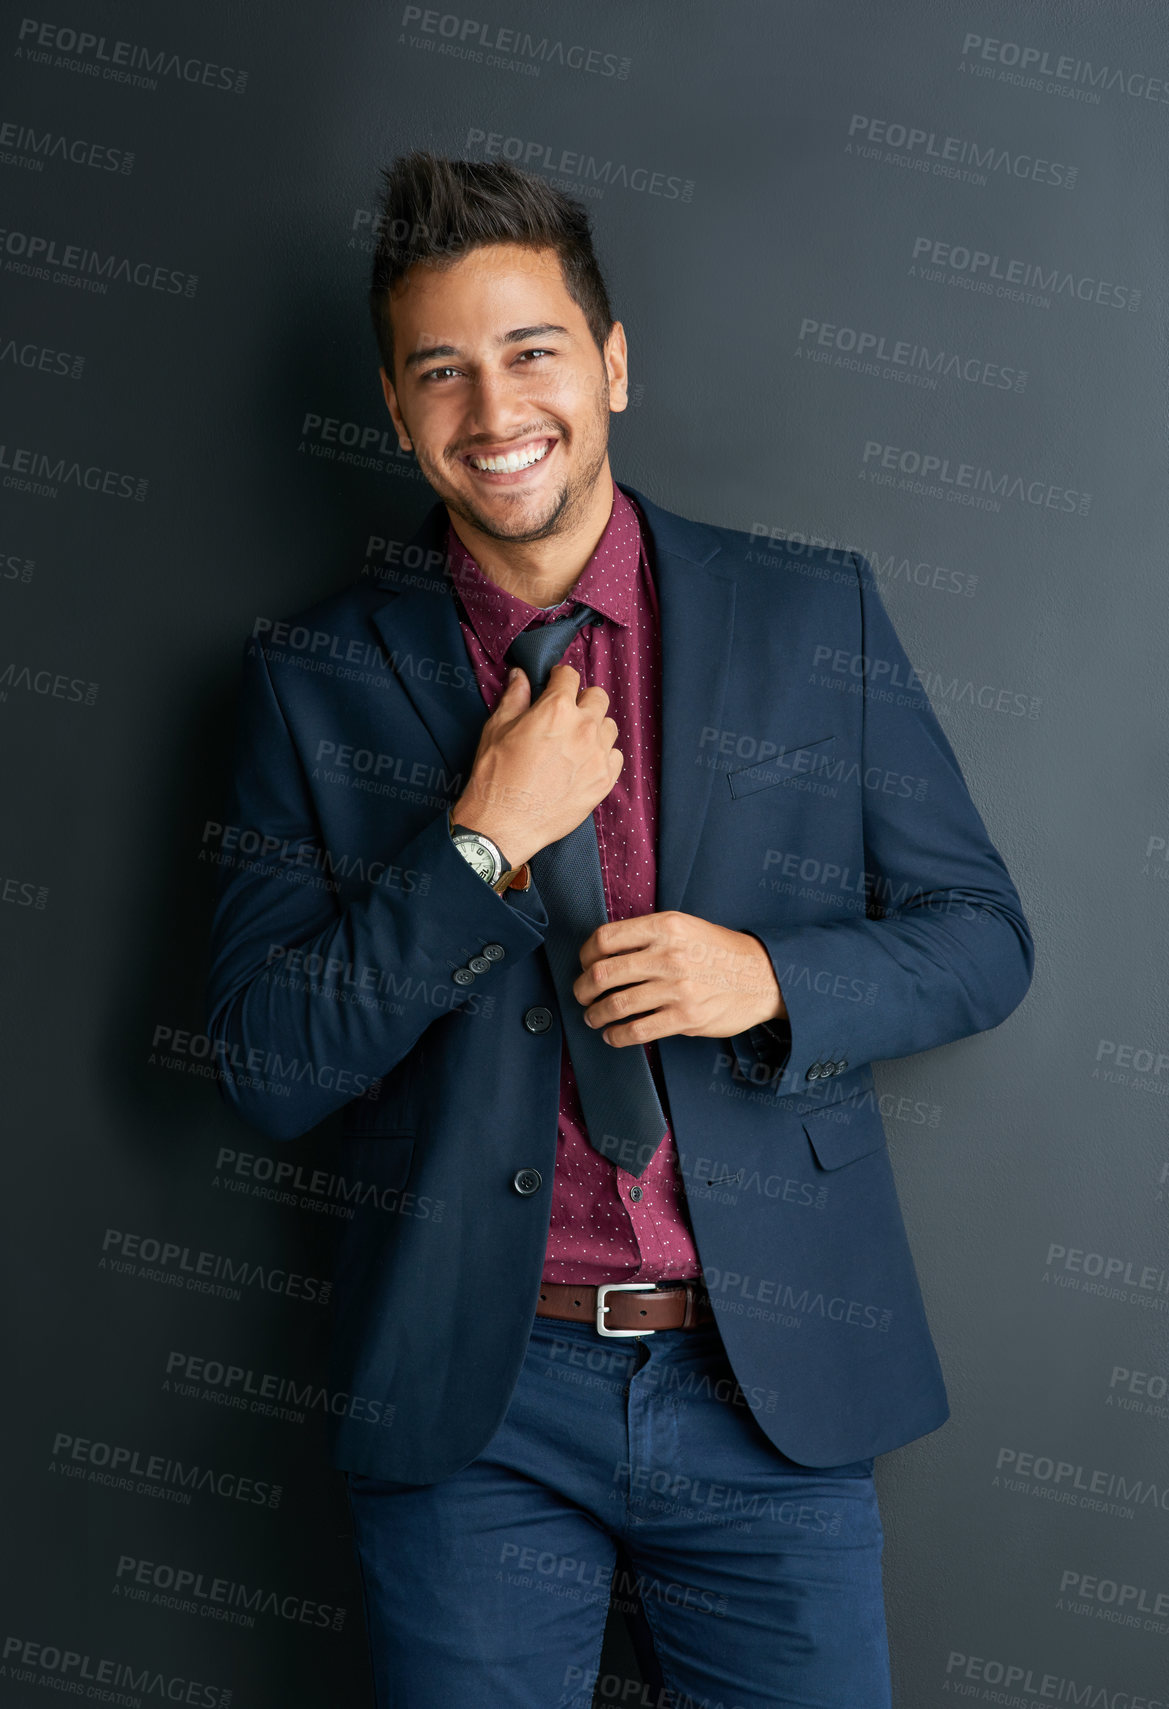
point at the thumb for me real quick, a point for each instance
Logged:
(516, 690)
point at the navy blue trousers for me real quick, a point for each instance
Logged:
(759, 1578)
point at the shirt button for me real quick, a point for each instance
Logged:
(537, 1019)
(526, 1182)
(636, 1193)
(478, 964)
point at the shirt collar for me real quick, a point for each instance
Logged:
(608, 583)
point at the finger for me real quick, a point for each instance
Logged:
(641, 1029)
(563, 679)
(634, 933)
(633, 998)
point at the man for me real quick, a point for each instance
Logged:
(628, 1270)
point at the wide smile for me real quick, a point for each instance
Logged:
(511, 464)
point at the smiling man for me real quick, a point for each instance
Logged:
(626, 1308)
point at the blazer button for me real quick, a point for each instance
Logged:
(814, 1071)
(526, 1182)
(841, 1065)
(463, 976)
(493, 952)
(478, 964)
(537, 1019)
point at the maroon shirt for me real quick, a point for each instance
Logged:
(607, 1225)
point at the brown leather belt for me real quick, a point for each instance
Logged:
(628, 1308)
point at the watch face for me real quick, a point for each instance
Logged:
(478, 856)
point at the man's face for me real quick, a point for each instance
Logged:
(494, 360)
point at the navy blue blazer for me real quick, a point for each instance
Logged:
(808, 795)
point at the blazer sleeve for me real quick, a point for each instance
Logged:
(950, 952)
(289, 963)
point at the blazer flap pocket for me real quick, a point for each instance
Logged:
(789, 765)
(843, 1141)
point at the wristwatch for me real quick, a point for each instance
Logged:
(485, 857)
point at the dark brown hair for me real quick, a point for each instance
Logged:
(434, 210)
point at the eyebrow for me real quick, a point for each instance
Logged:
(518, 335)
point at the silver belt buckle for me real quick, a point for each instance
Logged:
(604, 1288)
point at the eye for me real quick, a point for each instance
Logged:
(431, 372)
(524, 353)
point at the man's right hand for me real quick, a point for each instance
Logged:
(541, 766)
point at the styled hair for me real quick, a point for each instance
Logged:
(434, 210)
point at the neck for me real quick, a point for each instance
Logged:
(543, 572)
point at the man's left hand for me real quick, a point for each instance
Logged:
(678, 974)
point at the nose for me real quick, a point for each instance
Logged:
(498, 408)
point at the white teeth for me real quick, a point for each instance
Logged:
(514, 460)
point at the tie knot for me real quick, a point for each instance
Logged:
(537, 649)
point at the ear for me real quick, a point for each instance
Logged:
(391, 398)
(617, 367)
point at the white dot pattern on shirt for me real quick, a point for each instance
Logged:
(597, 1232)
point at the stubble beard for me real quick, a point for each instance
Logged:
(565, 506)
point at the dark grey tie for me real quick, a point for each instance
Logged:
(623, 1114)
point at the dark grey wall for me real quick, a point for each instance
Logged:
(892, 276)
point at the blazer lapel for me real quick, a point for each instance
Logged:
(697, 608)
(420, 630)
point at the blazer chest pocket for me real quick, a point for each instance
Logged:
(792, 765)
(836, 1143)
(395, 1108)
